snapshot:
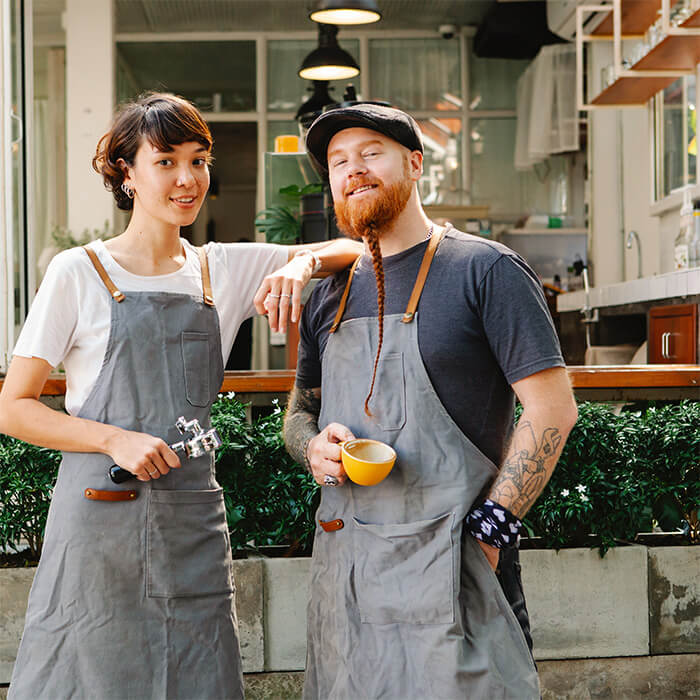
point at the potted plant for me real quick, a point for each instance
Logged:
(283, 223)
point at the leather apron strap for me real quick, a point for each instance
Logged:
(206, 280)
(422, 276)
(111, 287)
(417, 287)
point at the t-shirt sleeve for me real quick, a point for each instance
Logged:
(516, 319)
(308, 374)
(50, 326)
(247, 264)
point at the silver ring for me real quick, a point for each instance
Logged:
(152, 473)
(329, 480)
(285, 295)
(274, 296)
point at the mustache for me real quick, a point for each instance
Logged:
(361, 182)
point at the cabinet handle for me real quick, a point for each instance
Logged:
(664, 345)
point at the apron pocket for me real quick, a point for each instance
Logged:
(404, 572)
(195, 358)
(187, 545)
(388, 402)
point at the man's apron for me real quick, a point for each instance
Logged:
(134, 598)
(404, 603)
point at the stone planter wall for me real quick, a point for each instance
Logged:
(636, 601)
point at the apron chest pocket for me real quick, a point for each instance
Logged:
(187, 545)
(389, 401)
(195, 358)
(404, 573)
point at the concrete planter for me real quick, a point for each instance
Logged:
(636, 601)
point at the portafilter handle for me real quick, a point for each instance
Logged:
(201, 442)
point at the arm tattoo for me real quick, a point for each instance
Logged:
(527, 468)
(301, 421)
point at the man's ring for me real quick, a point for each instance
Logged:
(329, 480)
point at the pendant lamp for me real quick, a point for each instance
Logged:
(345, 12)
(328, 61)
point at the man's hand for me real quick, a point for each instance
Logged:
(323, 453)
(492, 553)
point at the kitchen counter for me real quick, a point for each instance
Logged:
(667, 286)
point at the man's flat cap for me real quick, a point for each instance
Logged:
(391, 122)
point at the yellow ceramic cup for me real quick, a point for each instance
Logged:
(367, 462)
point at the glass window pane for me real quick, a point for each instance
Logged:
(441, 182)
(416, 74)
(218, 76)
(692, 129)
(674, 151)
(493, 81)
(285, 89)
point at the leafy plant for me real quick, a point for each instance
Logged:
(281, 223)
(270, 499)
(668, 458)
(64, 238)
(596, 487)
(27, 475)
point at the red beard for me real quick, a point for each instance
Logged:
(374, 212)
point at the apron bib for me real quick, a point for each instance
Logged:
(134, 598)
(404, 604)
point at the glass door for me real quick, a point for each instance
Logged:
(15, 27)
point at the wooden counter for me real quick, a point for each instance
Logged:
(582, 377)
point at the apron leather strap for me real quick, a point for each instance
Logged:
(115, 293)
(422, 276)
(344, 298)
(206, 280)
(98, 495)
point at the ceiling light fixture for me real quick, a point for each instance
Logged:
(346, 12)
(328, 61)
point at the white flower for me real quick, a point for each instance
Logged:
(230, 394)
(584, 497)
(565, 493)
(581, 488)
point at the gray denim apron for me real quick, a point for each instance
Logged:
(134, 598)
(404, 603)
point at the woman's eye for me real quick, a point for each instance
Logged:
(165, 161)
(201, 161)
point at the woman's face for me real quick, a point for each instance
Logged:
(170, 186)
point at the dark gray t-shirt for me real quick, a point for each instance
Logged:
(483, 324)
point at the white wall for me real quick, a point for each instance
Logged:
(90, 74)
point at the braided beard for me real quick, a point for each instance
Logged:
(364, 220)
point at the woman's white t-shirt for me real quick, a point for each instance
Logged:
(69, 319)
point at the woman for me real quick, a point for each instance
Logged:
(133, 596)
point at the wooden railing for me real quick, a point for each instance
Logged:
(582, 377)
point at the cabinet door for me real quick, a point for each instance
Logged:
(673, 334)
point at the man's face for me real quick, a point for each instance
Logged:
(371, 177)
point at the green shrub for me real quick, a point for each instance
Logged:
(668, 460)
(27, 476)
(270, 499)
(596, 487)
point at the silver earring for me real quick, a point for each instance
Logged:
(127, 190)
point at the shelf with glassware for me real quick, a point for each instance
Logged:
(668, 47)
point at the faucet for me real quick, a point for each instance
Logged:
(630, 236)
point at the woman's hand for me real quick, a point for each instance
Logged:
(280, 292)
(141, 454)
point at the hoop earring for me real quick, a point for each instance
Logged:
(128, 191)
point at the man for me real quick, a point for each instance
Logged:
(404, 599)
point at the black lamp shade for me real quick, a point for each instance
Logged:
(328, 61)
(345, 12)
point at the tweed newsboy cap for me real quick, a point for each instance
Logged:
(394, 123)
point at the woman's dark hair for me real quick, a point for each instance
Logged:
(163, 119)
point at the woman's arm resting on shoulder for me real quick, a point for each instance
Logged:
(549, 414)
(280, 291)
(23, 416)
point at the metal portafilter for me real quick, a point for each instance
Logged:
(200, 442)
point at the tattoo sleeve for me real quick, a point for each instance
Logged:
(530, 461)
(301, 421)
